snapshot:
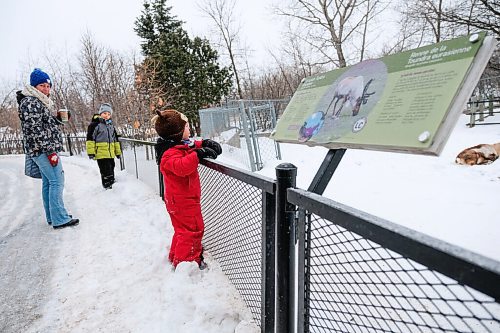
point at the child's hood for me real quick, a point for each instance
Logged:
(95, 118)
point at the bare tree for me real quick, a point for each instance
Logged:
(222, 13)
(430, 21)
(475, 14)
(107, 76)
(423, 22)
(330, 27)
(8, 111)
(149, 94)
(292, 64)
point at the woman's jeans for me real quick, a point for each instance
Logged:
(52, 190)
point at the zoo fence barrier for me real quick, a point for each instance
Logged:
(479, 109)
(73, 144)
(361, 273)
(305, 263)
(348, 271)
(244, 126)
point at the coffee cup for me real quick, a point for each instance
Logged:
(63, 114)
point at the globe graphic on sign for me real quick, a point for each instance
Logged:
(311, 126)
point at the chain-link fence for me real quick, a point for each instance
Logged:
(359, 285)
(365, 274)
(139, 159)
(234, 213)
(354, 273)
(244, 126)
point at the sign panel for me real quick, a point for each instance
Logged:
(406, 102)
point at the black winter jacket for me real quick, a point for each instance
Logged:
(41, 130)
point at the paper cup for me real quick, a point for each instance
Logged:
(63, 113)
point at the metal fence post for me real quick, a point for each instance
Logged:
(135, 161)
(286, 175)
(473, 109)
(268, 310)
(255, 138)
(274, 121)
(68, 139)
(245, 126)
(490, 105)
(122, 159)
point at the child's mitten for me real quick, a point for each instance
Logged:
(205, 153)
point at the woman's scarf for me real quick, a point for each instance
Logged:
(32, 91)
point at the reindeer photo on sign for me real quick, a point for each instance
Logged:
(346, 103)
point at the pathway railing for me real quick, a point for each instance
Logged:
(479, 109)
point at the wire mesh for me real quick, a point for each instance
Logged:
(356, 285)
(262, 122)
(244, 127)
(232, 212)
(138, 158)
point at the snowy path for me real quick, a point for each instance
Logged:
(109, 273)
(25, 258)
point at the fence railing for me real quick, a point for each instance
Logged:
(304, 263)
(479, 109)
(73, 144)
(352, 272)
(365, 274)
(238, 210)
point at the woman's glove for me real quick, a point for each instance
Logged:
(205, 153)
(215, 146)
(91, 156)
(53, 159)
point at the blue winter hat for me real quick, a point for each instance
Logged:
(38, 76)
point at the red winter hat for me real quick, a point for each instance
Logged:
(170, 124)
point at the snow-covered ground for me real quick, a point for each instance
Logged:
(434, 195)
(110, 273)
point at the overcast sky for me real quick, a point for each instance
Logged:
(30, 29)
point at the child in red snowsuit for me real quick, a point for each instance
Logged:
(178, 159)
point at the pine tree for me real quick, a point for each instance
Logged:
(187, 68)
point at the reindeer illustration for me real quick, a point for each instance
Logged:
(350, 90)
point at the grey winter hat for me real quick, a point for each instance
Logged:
(105, 107)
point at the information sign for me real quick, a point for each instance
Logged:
(406, 102)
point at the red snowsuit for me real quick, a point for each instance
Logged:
(179, 167)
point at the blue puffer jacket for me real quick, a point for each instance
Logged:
(40, 129)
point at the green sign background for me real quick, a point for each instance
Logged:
(398, 101)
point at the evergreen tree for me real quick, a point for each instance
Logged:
(188, 69)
